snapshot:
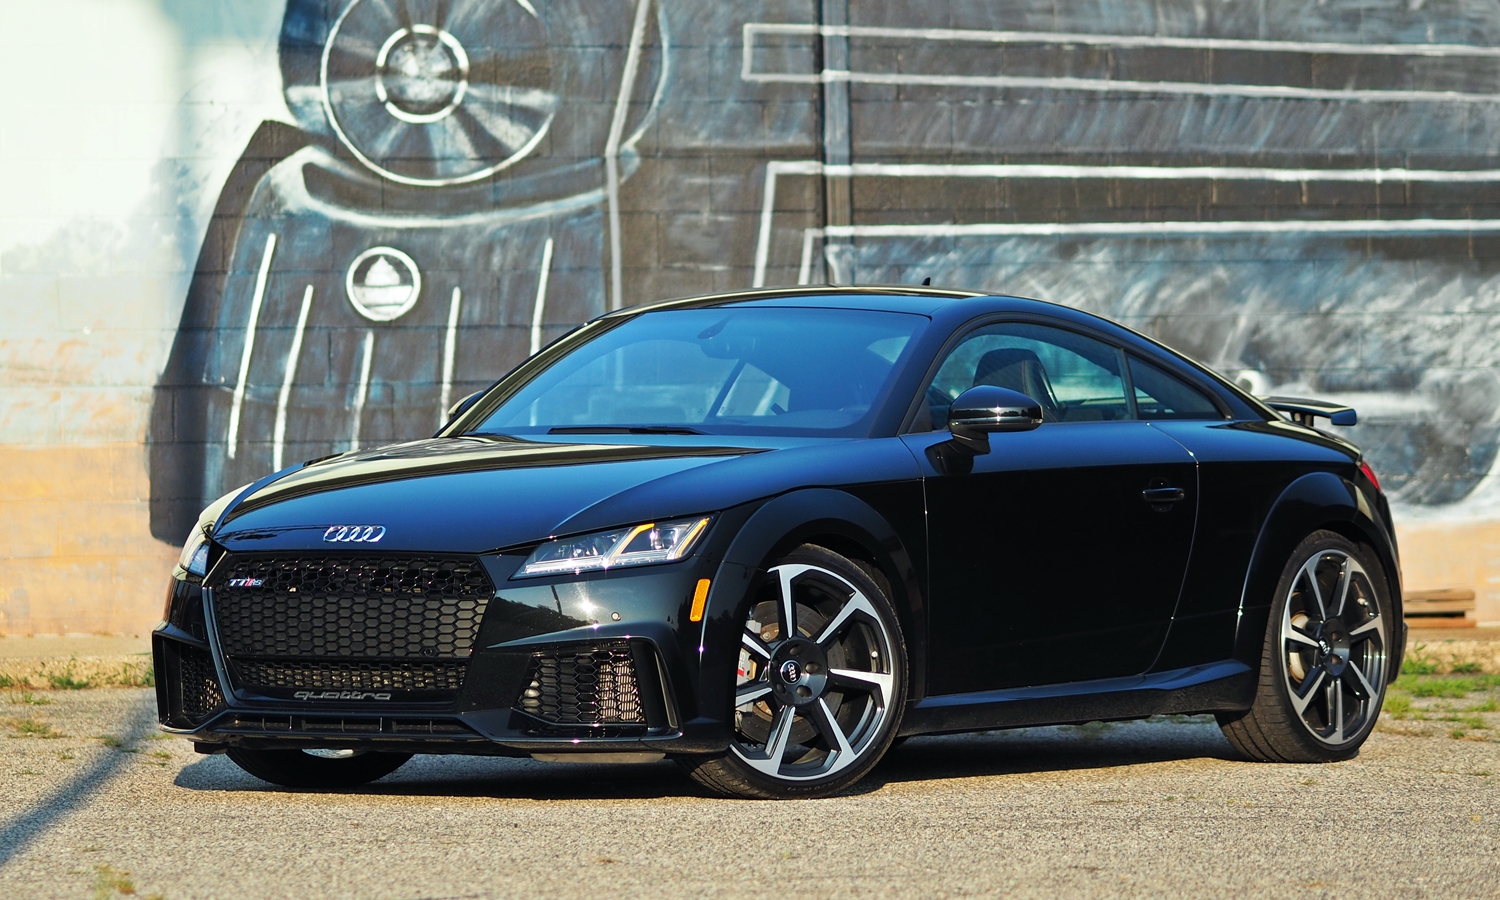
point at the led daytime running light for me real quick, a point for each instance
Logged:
(664, 542)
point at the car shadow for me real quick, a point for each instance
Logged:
(1025, 751)
(1030, 751)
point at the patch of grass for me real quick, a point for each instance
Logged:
(133, 676)
(1092, 730)
(1466, 668)
(115, 742)
(67, 679)
(65, 756)
(32, 727)
(1419, 662)
(1490, 705)
(7, 682)
(1398, 705)
(111, 882)
(30, 699)
(1451, 688)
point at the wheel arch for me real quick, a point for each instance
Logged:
(1315, 501)
(837, 521)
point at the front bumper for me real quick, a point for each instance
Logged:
(626, 621)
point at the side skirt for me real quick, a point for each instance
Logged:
(1214, 687)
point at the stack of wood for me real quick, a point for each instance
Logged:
(1443, 608)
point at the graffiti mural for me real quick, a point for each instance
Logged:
(1303, 194)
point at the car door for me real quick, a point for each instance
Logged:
(1057, 556)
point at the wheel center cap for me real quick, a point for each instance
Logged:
(798, 672)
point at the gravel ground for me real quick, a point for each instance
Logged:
(95, 804)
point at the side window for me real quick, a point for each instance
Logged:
(1074, 378)
(1162, 396)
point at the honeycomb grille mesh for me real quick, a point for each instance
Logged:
(584, 686)
(200, 685)
(351, 607)
(359, 676)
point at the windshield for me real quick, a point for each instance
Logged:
(719, 371)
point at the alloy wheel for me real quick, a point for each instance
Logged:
(1333, 647)
(816, 675)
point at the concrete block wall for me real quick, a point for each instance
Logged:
(1303, 194)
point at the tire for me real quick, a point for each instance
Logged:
(816, 711)
(304, 769)
(1324, 665)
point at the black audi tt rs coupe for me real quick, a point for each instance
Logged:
(767, 534)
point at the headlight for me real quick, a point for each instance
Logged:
(194, 558)
(653, 542)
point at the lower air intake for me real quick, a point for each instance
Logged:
(593, 685)
(200, 684)
(354, 676)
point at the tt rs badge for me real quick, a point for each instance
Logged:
(354, 534)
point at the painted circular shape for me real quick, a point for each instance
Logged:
(383, 284)
(421, 74)
(445, 101)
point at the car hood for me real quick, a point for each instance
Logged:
(469, 494)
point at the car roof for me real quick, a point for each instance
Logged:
(893, 298)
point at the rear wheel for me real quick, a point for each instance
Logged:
(1323, 671)
(317, 768)
(820, 686)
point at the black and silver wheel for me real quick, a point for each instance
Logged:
(317, 768)
(820, 683)
(1323, 674)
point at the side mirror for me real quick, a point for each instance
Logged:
(981, 411)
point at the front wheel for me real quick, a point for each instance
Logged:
(1323, 671)
(820, 685)
(317, 768)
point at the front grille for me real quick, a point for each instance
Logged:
(594, 685)
(351, 607)
(359, 676)
(200, 685)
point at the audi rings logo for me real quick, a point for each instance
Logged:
(354, 534)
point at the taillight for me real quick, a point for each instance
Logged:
(1364, 466)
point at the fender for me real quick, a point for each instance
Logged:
(1316, 500)
(777, 527)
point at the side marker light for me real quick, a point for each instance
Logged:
(700, 599)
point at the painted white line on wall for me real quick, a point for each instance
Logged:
(777, 168)
(450, 349)
(367, 353)
(232, 439)
(279, 435)
(540, 309)
(1354, 227)
(982, 36)
(612, 151)
(1111, 85)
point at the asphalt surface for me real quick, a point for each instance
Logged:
(1139, 810)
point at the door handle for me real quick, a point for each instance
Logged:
(1156, 495)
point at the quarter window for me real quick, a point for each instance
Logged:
(1162, 396)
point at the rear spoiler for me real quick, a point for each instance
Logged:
(1304, 411)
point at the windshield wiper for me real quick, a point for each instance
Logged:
(624, 429)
